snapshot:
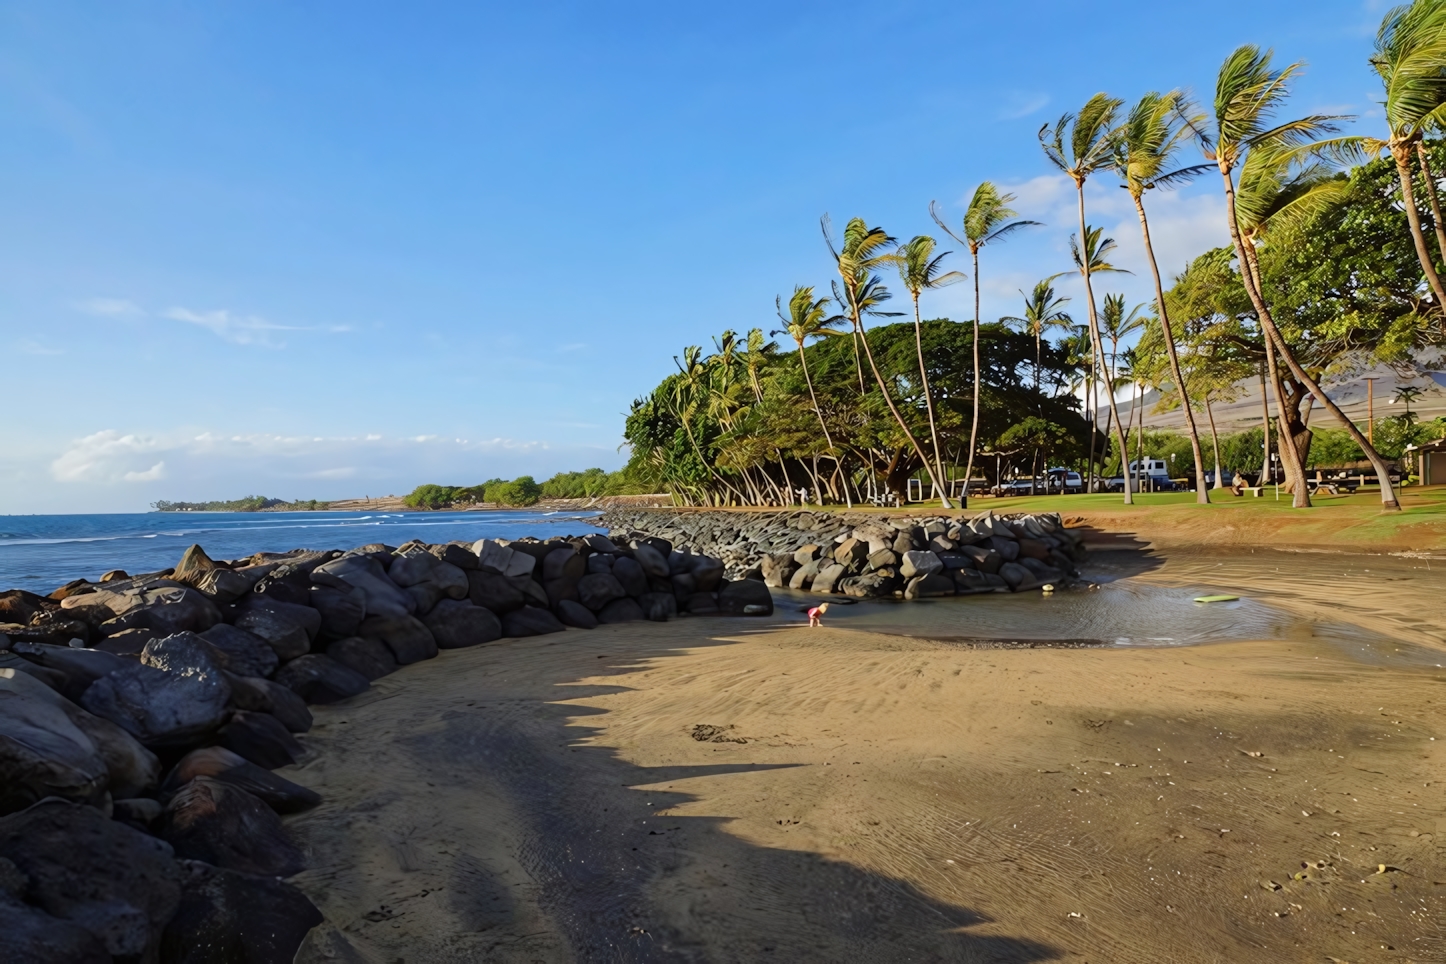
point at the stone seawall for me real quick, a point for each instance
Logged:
(141, 718)
(867, 555)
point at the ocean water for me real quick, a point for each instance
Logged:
(41, 552)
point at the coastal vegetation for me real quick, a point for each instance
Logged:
(250, 503)
(1331, 270)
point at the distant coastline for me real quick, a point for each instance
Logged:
(394, 503)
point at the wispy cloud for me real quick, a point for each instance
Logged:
(31, 347)
(1018, 103)
(110, 307)
(237, 329)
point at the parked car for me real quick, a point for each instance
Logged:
(1065, 481)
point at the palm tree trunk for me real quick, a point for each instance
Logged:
(1095, 338)
(974, 426)
(1383, 473)
(1140, 442)
(1289, 455)
(838, 463)
(889, 400)
(1402, 153)
(929, 400)
(1434, 195)
(1214, 440)
(1202, 496)
(1094, 418)
(1265, 472)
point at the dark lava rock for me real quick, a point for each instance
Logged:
(284, 634)
(34, 937)
(219, 763)
(492, 591)
(745, 597)
(621, 610)
(631, 575)
(369, 657)
(598, 589)
(406, 636)
(260, 738)
(455, 624)
(228, 917)
(658, 606)
(530, 621)
(177, 694)
(242, 653)
(218, 822)
(43, 753)
(320, 679)
(268, 696)
(703, 603)
(575, 614)
(116, 882)
(342, 610)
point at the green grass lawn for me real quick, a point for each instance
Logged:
(1352, 521)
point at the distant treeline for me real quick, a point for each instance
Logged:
(525, 490)
(251, 503)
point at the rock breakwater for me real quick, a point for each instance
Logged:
(867, 555)
(141, 718)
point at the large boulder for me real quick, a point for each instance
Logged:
(33, 936)
(321, 679)
(120, 884)
(1019, 578)
(406, 636)
(167, 609)
(227, 917)
(1008, 548)
(620, 611)
(658, 606)
(369, 657)
(852, 553)
(286, 636)
(43, 753)
(493, 591)
(193, 566)
(341, 609)
(530, 621)
(259, 738)
(219, 763)
(599, 562)
(984, 559)
(456, 554)
(871, 585)
(598, 589)
(653, 562)
(226, 827)
(575, 614)
(81, 667)
(242, 653)
(455, 624)
(920, 563)
(268, 696)
(929, 584)
(177, 693)
(19, 606)
(564, 562)
(745, 597)
(630, 575)
(494, 557)
(707, 573)
(828, 577)
(364, 572)
(702, 604)
(412, 566)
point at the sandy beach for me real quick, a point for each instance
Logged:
(717, 790)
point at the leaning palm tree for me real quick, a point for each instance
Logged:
(809, 318)
(864, 250)
(1090, 259)
(988, 219)
(1042, 311)
(1079, 146)
(1144, 158)
(1117, 325)
(919, 269)
(1410, 57)
(1247, 93)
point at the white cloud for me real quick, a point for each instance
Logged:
(239, 330)
(157, 471)
(110, 307)
(107, 457)
(32, 347)
(1018, 103)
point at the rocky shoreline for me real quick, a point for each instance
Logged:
(867, 555)
(142, 717)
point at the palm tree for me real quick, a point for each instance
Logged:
(1089, 259)
(862, 253)
(988, 218)
(1247, 92)
(687, 392)
(1042, 311)
(1410, 57)
(1144, 153)
(808, 318)
(1116, 325)
(919, 269)
(1079, 146)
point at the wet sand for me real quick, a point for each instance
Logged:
(859, 795)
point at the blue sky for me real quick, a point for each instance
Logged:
(339, 249)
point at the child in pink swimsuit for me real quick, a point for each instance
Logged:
(816, 613)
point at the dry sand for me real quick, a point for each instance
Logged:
(871, 797)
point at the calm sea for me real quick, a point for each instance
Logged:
(41, 552)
